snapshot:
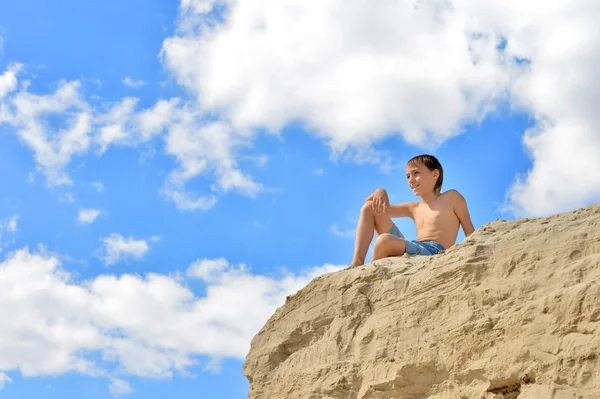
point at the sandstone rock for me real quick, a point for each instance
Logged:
(512, 311)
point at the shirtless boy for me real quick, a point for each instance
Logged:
(437, 216)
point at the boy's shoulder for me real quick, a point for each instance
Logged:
(453, 195)
(449, 193)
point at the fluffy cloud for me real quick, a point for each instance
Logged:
(136, 84)
(8, 80)
(115, 248)
(199, 146)
(61, 125)
(11, 225)
(60, 324)
(53, 145)
(200, 6)
(354, 74)
(8, 226)
(187, 201)
(87, 215)
(560, 88)
(209, 269)
(351, 72)
(115, 124)
(119, 387)
(3, 377)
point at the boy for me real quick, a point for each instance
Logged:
(437, 216)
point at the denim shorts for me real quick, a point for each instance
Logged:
(415, 247)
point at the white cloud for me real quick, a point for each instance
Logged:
(119, 387)
(155, 239)
(87, 215)
(207, 269)
(152, 121)
(29, 282)
(233, 287)
(115, 129)
(61, 324)
(98, 186)
(318, 172)
(115, 247)
(202, 147)
(335, 230)
(53, 145)
(11, 225)
(8, 80)
(200, 6)
(561, 89)
(214, 366)
(352, 80)
(565, 173)
(122, 124)
(420, 69)
(187, 201)
(136, 84)
(199, 147)
(3, 377)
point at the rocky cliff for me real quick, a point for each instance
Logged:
(512, 311)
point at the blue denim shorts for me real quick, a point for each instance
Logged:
(415, 247)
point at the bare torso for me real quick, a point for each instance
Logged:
(437, 221)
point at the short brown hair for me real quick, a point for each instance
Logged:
(432, 164)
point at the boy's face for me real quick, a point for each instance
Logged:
(420, 179)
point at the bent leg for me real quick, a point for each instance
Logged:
(388, 245)
(368, 223)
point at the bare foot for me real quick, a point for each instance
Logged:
(355, 264)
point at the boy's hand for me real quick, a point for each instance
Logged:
(381, 202)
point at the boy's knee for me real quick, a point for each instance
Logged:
(367, 207)
(383, 240)
(388, 245)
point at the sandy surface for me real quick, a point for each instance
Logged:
(512, 311)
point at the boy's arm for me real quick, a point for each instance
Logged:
(462, 212)
(403, 210)
(398, 210)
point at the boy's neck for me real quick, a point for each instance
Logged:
(427, 198)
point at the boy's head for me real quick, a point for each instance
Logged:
(424, 173)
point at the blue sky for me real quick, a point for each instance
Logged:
(169, 171)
